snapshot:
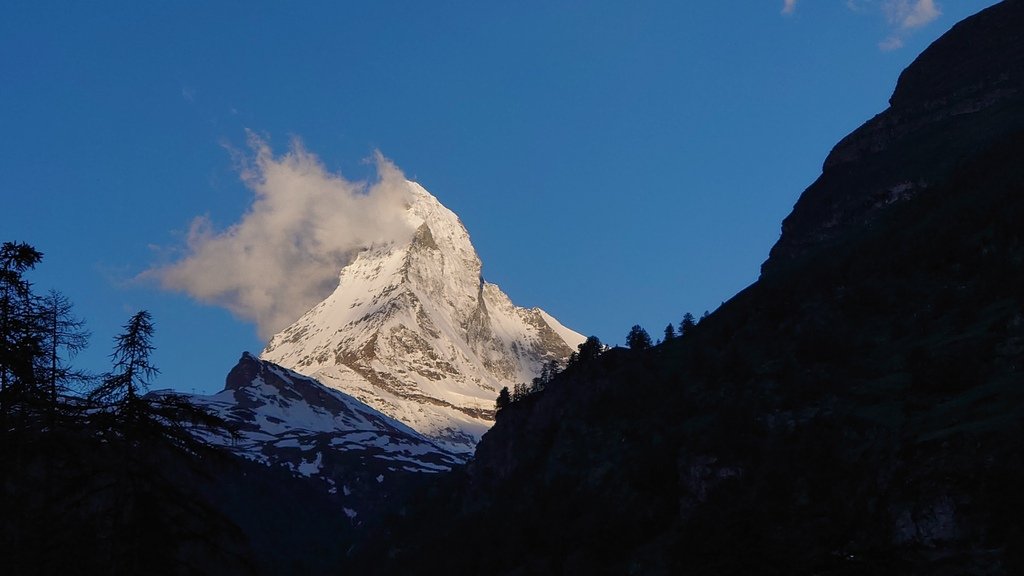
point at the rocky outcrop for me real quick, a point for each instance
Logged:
(277, 416)
(963, 92)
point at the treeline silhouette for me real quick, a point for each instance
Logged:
(40, 389)
(98, 476)
(636, 339)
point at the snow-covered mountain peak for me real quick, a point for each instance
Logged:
(279, 417)
(414, 331)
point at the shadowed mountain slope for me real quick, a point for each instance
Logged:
(858, 410)
(961, 94)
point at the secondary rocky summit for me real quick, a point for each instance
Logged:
(963, 93)
(415, 332)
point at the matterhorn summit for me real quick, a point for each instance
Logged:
(415, 332)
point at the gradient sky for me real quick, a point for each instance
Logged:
(614, 162)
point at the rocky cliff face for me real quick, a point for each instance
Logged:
(415, 332)
(963, 92)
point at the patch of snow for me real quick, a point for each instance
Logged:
(310, 468)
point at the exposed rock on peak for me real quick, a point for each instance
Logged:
(277, 416)
(414, 331)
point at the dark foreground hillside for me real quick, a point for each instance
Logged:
(81, 499)
(858, 410)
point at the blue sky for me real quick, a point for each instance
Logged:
(614, 162)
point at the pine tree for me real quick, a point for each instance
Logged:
(547, 374)
(519, 391)
(504, 399)
(20, 331)
(132, 371)
(670, 332)
(64, 336)
(687, 324)
(638, 338)
(589, 350)
(554, 367)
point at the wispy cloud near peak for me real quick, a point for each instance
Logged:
(891, 43)
(909, 14)
(284, 255)
(903, 16)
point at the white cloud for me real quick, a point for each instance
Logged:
(855, 5)
(902, 16)
(304, 225)
(909, 14)
(924, 12)
(891, 43)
